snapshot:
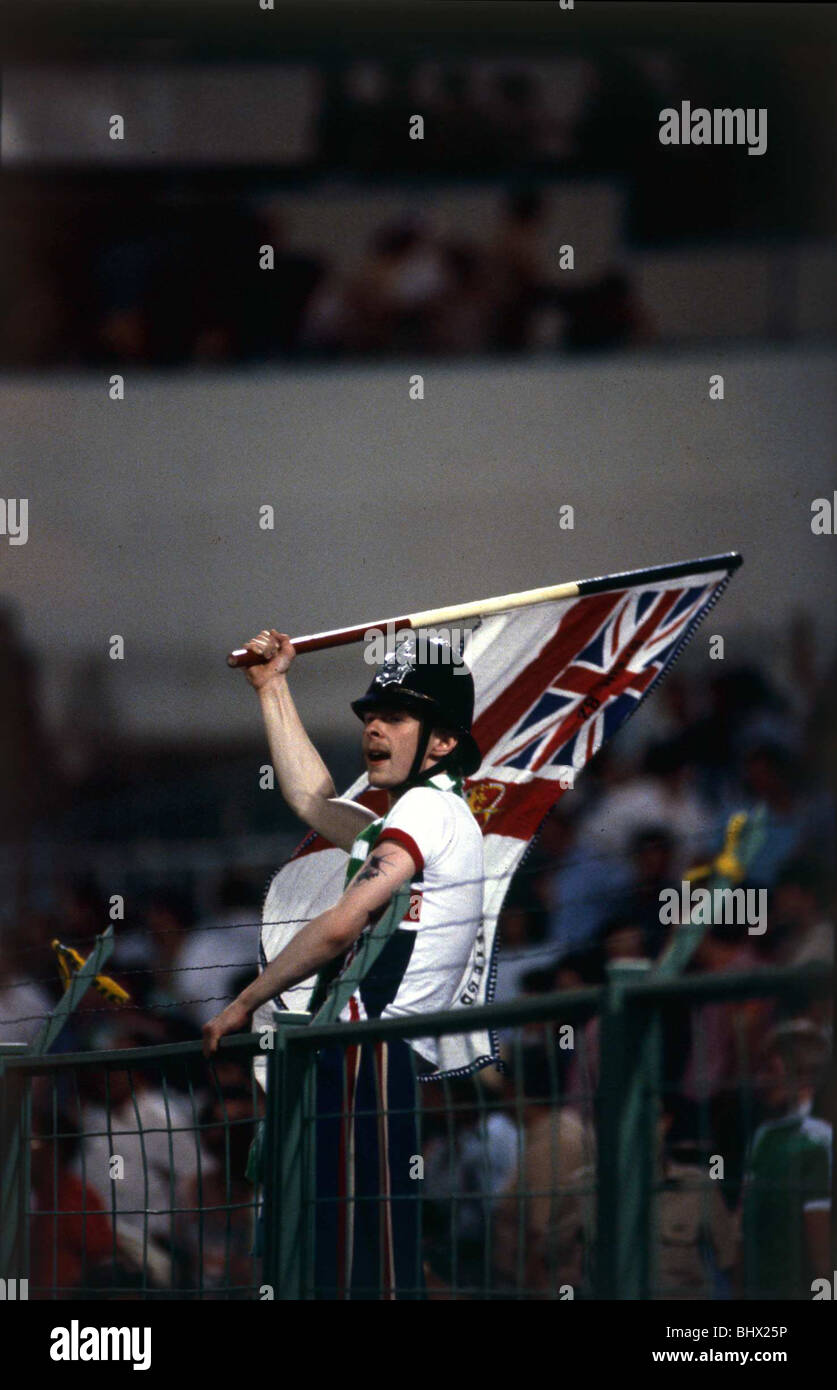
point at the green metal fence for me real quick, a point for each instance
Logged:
(123, 1172)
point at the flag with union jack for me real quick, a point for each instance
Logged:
(554, 681)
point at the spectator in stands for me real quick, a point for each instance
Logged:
(125, 269)
(127, 1112)
(821, 727)
(621, 938)
(83, 910)
(520, 269)
(518, 116)
(521, 948)
(696, 1233)
(603, 315)
(460, 138)
(800, 929)
(799, 817)
(217, 1204)
(169, 921)
(278, 299)
(652, 852)
(582, 887)
(786, 1209)
(146, 964)
(69, 1231)
(726, 1036)
(395, 297)
(470, 1154)
(663, 794)
(324, 329)
(355, 123)
(26, 747)
(522, 926)
(28, 978)
(544, 1217)
(580, 971)
(665, 719)
(30, 992)
(738, 699)
(461, 323)
(218, 951)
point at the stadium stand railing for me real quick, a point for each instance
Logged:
(123, 1171)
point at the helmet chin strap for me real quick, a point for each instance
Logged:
(415, 777)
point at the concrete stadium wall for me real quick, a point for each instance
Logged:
(143, 514)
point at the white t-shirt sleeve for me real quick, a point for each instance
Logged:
(421, 821)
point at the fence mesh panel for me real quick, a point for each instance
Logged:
(649, 1139)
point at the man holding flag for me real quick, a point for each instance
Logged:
(558, 671)
(417, 746)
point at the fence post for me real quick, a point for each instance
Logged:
(627, 1125)
(14, 1166)
(288, 1166)
(74, 993)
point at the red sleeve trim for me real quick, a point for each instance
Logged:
(406, 842)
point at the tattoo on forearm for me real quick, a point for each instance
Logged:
(373, 868)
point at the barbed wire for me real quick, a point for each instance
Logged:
(609, 903)
(179, 1004)
(528, 955)
(120, 973)
(546, 948)
(531, 867)
(604, 902)
(524, 953)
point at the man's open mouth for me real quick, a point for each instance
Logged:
(377, 755)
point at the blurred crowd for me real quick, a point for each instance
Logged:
(509, 1158)
(579, 114)
(159, 265)
(479, 116)
(138, 1182)
(138, 1185)
(179, 281)
(138, 1170)
(747, 1082)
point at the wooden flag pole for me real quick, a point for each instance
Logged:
(480, 608)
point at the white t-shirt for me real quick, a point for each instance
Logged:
(422, 965)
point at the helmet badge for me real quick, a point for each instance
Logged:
(397, 664)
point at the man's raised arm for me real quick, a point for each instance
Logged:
(304, 779)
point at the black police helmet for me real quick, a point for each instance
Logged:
(427, 680)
